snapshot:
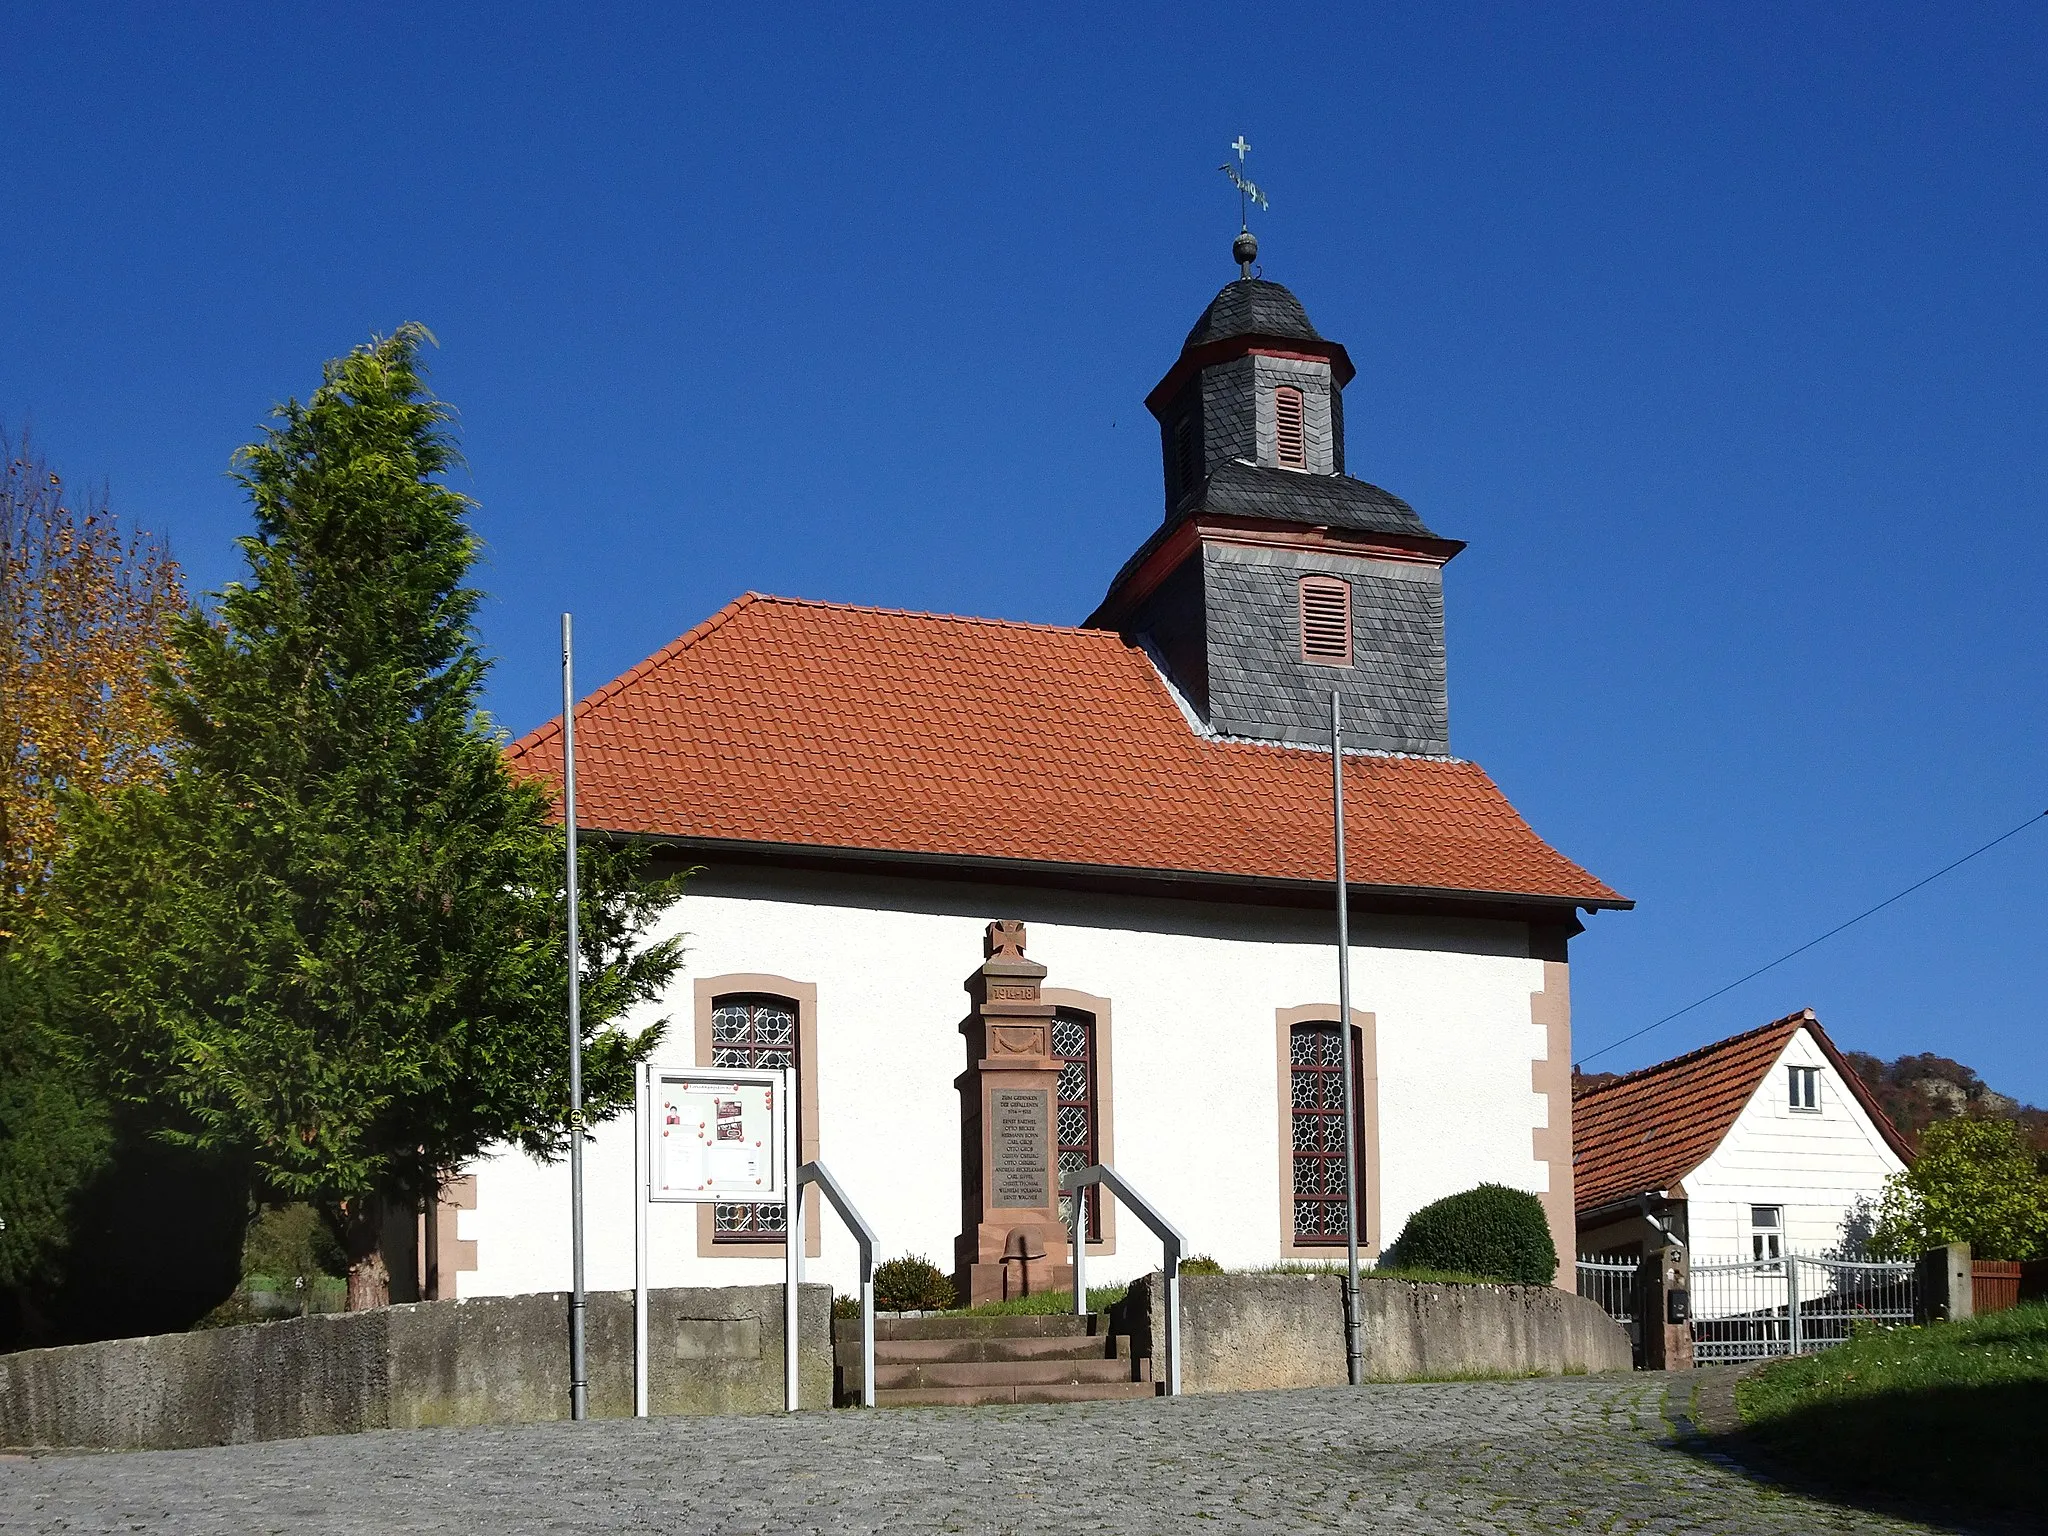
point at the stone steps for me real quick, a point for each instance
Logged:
(991, 1373)
(960, 1360)
(917, 1351)
(960, 1325)
(975, 1397)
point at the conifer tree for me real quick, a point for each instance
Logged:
(333, 939)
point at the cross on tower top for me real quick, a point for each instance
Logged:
(1245, 249)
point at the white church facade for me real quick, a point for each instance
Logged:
(925, 841)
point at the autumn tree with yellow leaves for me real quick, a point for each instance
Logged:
(85, 611)
(96, 1219)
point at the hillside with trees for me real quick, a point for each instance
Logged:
(1916, 1091)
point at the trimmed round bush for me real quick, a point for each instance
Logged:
(912, 1284)
(1492, 1231)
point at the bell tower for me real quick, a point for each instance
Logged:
(1275, 577)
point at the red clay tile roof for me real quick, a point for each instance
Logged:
(1647, 1130)
(821, 725)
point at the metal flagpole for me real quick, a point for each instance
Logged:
(1354, 1354)
(643, 1121)
(793, 1252)
(579, 1378)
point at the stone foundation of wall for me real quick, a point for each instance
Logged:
(1241, 1333)
(493, 1360)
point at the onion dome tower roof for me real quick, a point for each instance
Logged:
(1251, 306)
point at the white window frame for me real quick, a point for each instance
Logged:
(1803, 1089)
(1767, 1235)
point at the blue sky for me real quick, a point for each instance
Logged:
(1717, 331)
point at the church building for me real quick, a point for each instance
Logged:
(938, 853)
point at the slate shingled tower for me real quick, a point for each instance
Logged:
(1276, 577)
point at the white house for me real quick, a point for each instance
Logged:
(1755, 1146)
(876, 800)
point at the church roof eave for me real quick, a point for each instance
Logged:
(1113, 877)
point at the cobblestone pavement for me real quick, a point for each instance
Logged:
(1586, 1453)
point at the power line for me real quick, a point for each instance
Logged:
(1802, 949)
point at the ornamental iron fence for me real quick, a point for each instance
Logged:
(1755, 1309)
(1796, 1304)
(1609, 1281)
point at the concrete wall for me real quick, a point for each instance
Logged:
(1814, 1164)
(504, 1360)
(1244, 1333)
(1195, 1095)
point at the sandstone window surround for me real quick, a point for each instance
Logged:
(743, 1015)
(1312, 1030)
(1082, 1008)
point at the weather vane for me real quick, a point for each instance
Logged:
(1245, 250)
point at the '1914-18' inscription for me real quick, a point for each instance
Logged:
(1017, 1151)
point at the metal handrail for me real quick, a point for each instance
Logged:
(863, 1234)
(1169, 1238)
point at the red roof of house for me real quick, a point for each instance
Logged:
(1645, 1131)
(826, 726)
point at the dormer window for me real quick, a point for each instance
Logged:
(1326, 621)
(1290, 441)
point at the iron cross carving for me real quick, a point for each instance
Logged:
(1005, 941)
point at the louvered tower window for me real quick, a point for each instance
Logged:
(1290, 443)
(1316, 1058)
(1326, 621)
(753, 1031)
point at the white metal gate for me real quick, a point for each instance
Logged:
(1611, 1283)
(1752, 1309)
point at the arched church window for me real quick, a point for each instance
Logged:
(1290, 440)
(1073, 1044)
(1316, 1062)
(1326, 620)
(753, 1031)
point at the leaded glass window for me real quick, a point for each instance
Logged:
(753, 1032)
(1073, 1043)
(1316, 1060)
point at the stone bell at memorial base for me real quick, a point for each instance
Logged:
(1012, 1241)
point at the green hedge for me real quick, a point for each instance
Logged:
(912, 1284)
(1493, 1231)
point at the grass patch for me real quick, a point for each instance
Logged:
(1100, 1299)
(1951, 1415)
(1432, 1276)
(1429, 1276)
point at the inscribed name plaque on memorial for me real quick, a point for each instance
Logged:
(1017, 1147)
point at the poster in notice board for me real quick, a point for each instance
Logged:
(718, 1136)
